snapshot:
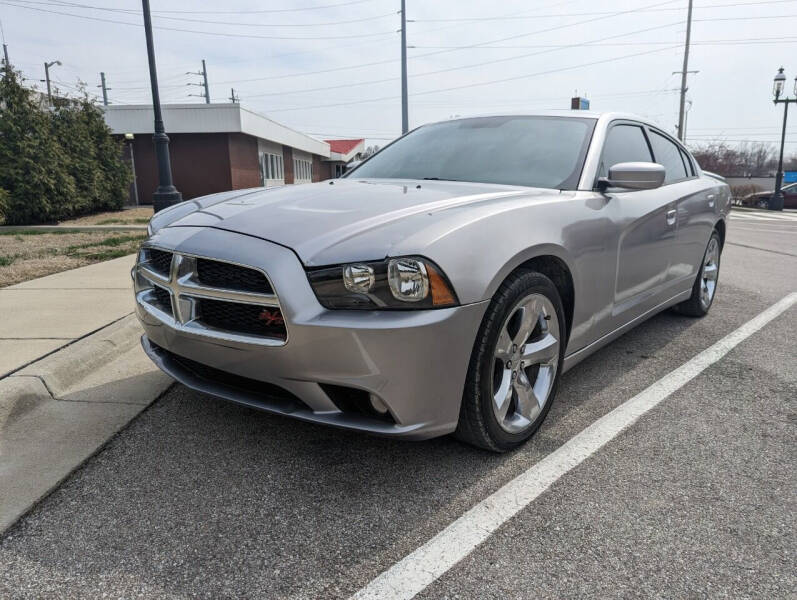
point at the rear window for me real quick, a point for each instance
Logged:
(530, 151)
(668, 155)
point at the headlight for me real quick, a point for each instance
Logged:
(396, 283)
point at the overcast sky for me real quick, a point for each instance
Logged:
(331, 67)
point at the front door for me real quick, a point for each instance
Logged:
(646, 224)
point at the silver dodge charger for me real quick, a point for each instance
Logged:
(442, 286)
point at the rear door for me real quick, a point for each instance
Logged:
(696, 204)
(645, 222)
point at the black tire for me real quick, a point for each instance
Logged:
(477, 422)
(694, 306)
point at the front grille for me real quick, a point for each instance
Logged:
(160, 261)
(210, 297)
(217, 274)
(163, 299)
(248, 319)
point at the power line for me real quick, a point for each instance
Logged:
(127, 11)
(439, 52)
(468, 66)
(198, 32)
(729, 41)
(583, 14)
(477, 84)
(272, 10)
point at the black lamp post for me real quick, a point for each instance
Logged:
(776, 202)
(166, 194)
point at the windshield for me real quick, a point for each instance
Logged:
(530, 151)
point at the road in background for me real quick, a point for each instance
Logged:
(198, 497)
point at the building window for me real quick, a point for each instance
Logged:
(302, 170)
(271, 168)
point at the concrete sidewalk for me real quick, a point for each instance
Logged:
(72, 374)
(42, 315)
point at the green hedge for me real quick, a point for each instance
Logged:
(56, 163)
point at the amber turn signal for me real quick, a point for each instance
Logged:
(442, 294)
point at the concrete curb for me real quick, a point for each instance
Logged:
(64, 368)
(60, 410)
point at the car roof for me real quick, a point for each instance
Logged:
(567, 113)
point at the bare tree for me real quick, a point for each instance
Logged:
(745, 160)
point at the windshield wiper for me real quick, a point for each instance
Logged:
(440, 179)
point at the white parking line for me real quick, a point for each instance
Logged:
(762, 216)
(422, 567)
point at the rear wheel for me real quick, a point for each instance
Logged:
(705, 285)
(515, 365)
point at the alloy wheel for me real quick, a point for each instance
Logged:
(708, 277)
(525, 362)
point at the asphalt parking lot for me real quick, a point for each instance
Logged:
(201, 498)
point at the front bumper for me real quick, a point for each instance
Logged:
(415, 362)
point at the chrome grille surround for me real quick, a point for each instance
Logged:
(186, 292)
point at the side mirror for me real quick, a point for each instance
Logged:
(633, 176)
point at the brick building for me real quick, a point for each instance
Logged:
(218, 147)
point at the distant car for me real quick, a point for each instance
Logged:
(443, 285)
(761, 199)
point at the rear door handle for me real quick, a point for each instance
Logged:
(711, 200)
(671, 217)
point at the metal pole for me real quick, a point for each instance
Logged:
(133, 168)
(686, 120)
(776, 202)
(683, 73)
(5, 53)
(205, 79)
(47, 79)
(104, 89)
(166, 194)
(405, 121)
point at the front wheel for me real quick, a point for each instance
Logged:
(515, 365)
(705, 285)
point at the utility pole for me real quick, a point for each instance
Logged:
(405, 121)
(205, 79)
(47, 66)
(233, 97)
(204, 84)
(166, 195)
(684, 72)
(104, 89)
(5, 46)
(686, 120)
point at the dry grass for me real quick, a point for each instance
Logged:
(139, 215)
(29, 254)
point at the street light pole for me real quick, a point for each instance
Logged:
(776, 201)
(166, 195)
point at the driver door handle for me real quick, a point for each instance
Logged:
(671, 217)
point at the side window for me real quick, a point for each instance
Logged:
(690, 168)
(668, 155)
(624, 143)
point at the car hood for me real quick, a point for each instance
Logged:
(351, 216)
